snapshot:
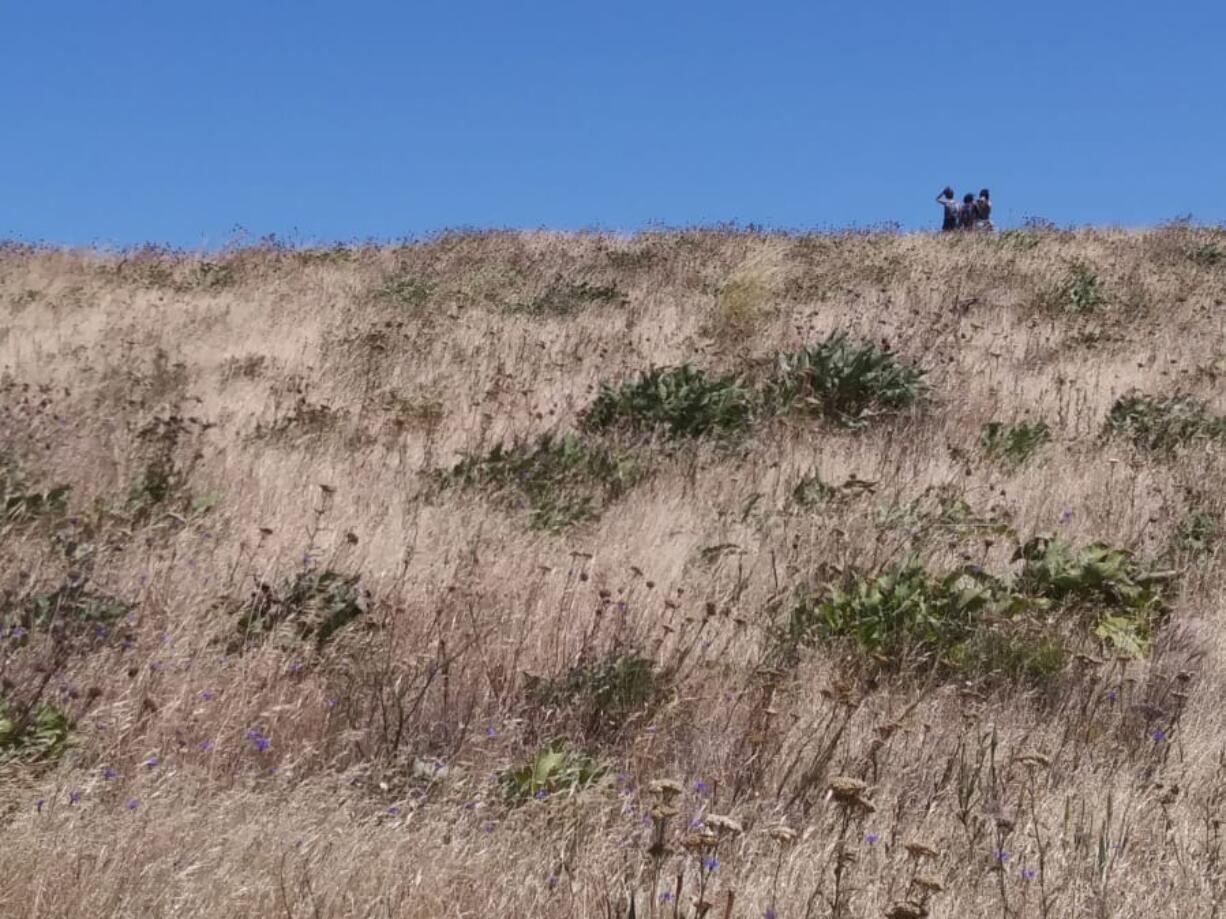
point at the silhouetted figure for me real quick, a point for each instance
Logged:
(950, 204)
(966, 213)
(983, 210)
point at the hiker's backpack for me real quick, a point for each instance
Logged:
(983, 209)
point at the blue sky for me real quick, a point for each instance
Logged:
(177, 121)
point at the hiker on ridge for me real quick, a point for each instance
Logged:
(946, 200)
(966, 213)
(983, 211)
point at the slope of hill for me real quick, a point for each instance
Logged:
(386, 581)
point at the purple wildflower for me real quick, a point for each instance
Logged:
(666, 897)
(152, 762)
(109, 774)
(74, 797)
(1112, 695)
(1028, 874)
(39, 804)
(700, 787)
(206, 746)
(871, 838)
(331, 703)
(1158, 735)
(710, 862)
(769, 914)
(1000, 855)
(132, 804)
(491, 733)
(1066, 515)
(206, 695)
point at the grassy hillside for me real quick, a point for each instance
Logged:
(386, 581)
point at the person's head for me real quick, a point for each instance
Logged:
(983, 193)
(948, 192)
(968, 198)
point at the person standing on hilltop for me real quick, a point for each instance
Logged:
(983, 211)
(966, 213)
(946, 200)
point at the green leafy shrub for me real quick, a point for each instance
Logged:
(561, 481)
(1103, 584)
(405, 291)
(19, 502)
(1206, 255)
(903, 610)
(677, 401)
(1079, 291)
(811, 491)
(73, 613)
(1020, 240)
(969, 621)
(1163, 424)
(1197, 533)
(552, 770)
(845, 380)
(1018, 651)
(1013, 443)
(313, 604)
(563, 299)
(42, 733)
(603, 693)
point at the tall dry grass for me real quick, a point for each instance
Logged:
(263, 415)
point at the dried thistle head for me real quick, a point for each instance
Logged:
(700, 842)
(928, 883)
(906, 911)
(1034, 760)
(667, 789)
(784, 835)
(918, 849)
(723, 825)
(661, 813)
(849, 792)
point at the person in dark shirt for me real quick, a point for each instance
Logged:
(983, 210)
(966, 213)
(949, 203)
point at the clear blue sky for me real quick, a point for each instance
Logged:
(177, 121)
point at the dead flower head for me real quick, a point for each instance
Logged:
(849, 792)
(667, 789)
(724, 826)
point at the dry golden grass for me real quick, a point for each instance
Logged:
(323, 388)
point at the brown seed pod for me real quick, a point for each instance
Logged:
(667, 789)
(725, 826)
(918, 849)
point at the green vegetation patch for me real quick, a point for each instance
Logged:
(1079, 291)
(552, 770)
(972, 623)
(677, 402)
(405, 291)
(604, 693)
(313, 605)
(845, 380)
(559, 480)
(564, 299)
(40, 733)
(1155, 423)
(20, 502)
(1013, 444)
